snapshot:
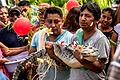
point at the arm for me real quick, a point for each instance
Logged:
(14, 51)
(32, 50)
(95, 66)
(3, 47)
(50, 50)
(113, 47)
(103, 46)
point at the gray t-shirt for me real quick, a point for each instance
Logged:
(99, 41)
(54, 72)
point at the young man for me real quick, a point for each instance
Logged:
(91, 70)
(53, 20)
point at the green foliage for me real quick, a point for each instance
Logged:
(61, 3)
(56, 2)
(116, 1)
(101, 3)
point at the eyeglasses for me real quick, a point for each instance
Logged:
(50, 21)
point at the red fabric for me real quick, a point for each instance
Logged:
(72, 3)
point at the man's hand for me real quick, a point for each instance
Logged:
(3, 60)
(50, 49)
(77, 53)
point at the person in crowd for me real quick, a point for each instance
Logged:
(24, 5)
(71, 22)
(4, 14)
(106, 25)
(42, 7)
(4, 75)
(14, 13)
(42, 40)
(114, 68)
(91, 36)
(18, 45)
(117, 23)
(39, 24)
(117, 15)
(4, 53)
(7, 35)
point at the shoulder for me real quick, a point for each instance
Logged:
(38, 32)
(68, 33)
(117, 28)
(98, 34)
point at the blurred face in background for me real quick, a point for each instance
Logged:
(41, 15)
(42, 9)
(106, 19)
(4, 15)
(14, 15)
(54, 21)
(24, 8)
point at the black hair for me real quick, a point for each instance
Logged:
(93, 8)
(53, 10)
(24, 3)
(72, 19)
(112, 13)
(13, 10)
(110, 10)
(76, 12)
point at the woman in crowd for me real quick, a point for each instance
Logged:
(106, 26)
(72, 20)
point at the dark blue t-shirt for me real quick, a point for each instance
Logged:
(11, 39)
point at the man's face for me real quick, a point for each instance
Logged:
(41, 15)
(86, 19)
(24, 8)
(106, 19)
(14, 15)
(54, 22)
(4, 15)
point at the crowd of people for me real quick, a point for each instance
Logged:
(85, 25)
